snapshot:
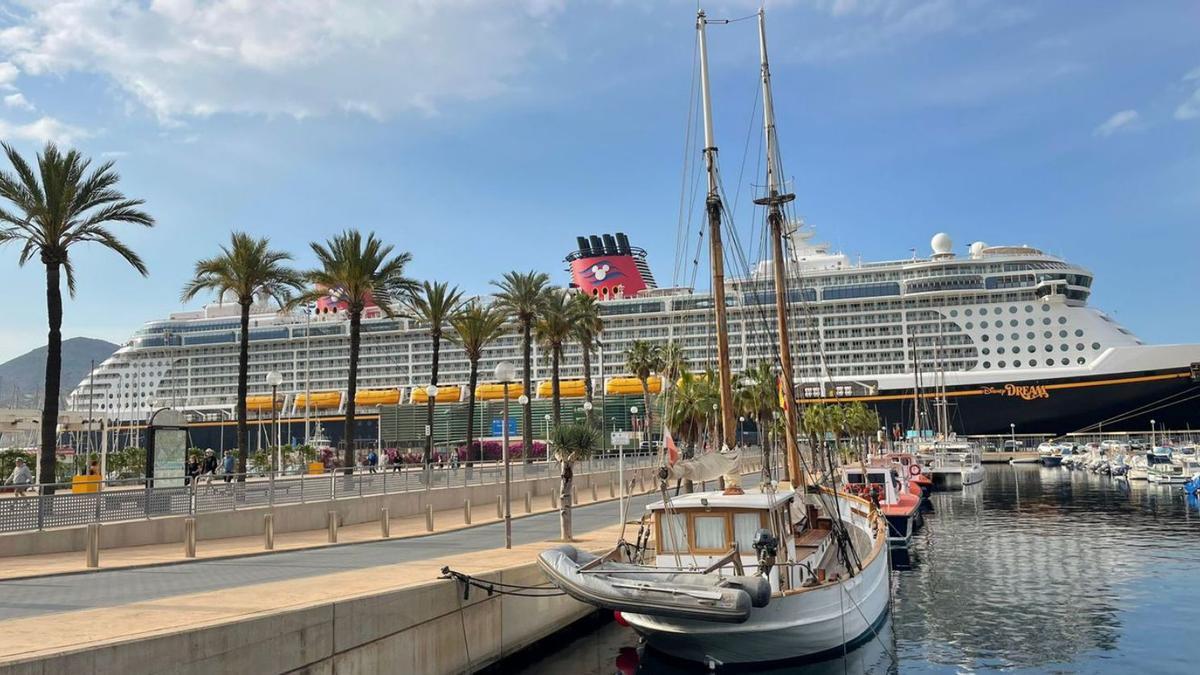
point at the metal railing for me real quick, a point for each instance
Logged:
(133, 499)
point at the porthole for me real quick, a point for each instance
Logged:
(970, 325)
(999, 350)
(1045, 308)
(1028, 322)
(1049, 362)
(987, 364)
(1013, 323)
(985, 338)
(1095, 345)
(1012, 309)
(968, 312)
(1081, 360)
(1047, 335)
(998, 310)
(1028, 309)
(1017, 363)
(1062, 333)
(999, 337)
(985, 351)
(1049, 348)
(983, 311)
(1046, 321)
(1001, 364)
(983, 324)
(1078, 332)
(1065, 362)
(1032, 363)
(1031, 349)
(1016, 336)
(1062, 319)
(1029, 335)
(1079, 346)
(954, 312)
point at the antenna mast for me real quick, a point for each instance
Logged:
(774, 201)
(714, 208)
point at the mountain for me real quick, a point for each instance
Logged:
(21, 379)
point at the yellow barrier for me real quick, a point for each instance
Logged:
(81, 484)
(316, 467)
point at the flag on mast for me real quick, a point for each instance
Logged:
(672, 449)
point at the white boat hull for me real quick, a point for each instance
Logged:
(802, 625)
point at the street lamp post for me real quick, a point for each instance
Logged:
(431, 393)
(523, 400)
(1152, 444)
(741, 422)
(275, 378)
(504, 374)
(1012, 430)
(716, 429)
(548, 417)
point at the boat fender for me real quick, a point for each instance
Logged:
(620, 619)
(914, 470)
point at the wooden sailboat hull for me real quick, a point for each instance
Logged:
(804, 624)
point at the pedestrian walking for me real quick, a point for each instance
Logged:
(21, 478)
(192, 470)
(228, 464)
(372, 461)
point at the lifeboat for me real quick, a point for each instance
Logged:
(631, 386)
(446, 394)
(566, 389)
(262, 402)
(495, 391)
(373, 397)
(320, 399)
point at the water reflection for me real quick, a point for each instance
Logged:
(1034, 569)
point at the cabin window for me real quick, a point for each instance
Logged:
(710, 533)
(744, 527)
(674, 533)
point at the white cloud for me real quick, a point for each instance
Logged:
(42, 130)
(18, 101)
(1190, 108)
(1118, 122)
(184, 58)
(8, 74)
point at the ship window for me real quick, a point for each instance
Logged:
(1001, 364)
(1062, 333)
(968, 312)
(1000, 337)
(744, 527)
(999, 310)
(1095, 345)
(1079, 346)
(1012, 309)
(1017, 363)
(1029, 335)
(984, 338)
(985, 351)
(1028, 322)
(1031, 349)
(1032, 363)
(1066, 362)
(1049, 362)
(674, 531)
(710, 533)
(987, 364)
(970, 325)
(1028, 309)
(1016, 336)
(954, 312)
(1062, 319)
(1078, 332)
(1045, 308)
(1081, 360)
(1049, 348)
(1063, 347)
(1046, 321)
(983, 324)
(999, 350)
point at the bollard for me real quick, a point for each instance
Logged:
(429, 517)
(553, 500)
(385, 523)
(189, 537)
(594, 492)
(499, 506)
(269, 531)
(467, 511)
(331, 521)
(528, 503)
(93, 545)
(612, 492)
(574, 495)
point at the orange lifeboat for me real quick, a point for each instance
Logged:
(319, 400)
(495, 391)
(566, 389)
(446, 394)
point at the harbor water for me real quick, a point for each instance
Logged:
(1034, 570)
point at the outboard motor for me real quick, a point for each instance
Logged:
(766, 546)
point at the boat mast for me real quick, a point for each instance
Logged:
(774, 201)
(716, 252)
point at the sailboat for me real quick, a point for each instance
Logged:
(784, 570)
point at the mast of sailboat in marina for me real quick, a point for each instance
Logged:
(774, 201)
(713, 207)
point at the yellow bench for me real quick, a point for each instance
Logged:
(81, 484)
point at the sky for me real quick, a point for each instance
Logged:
(483, 135)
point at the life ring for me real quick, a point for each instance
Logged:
(914, 470)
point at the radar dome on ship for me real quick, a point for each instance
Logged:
(977, 249)
(941, 244)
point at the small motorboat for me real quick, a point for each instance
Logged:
(898, 500)
(1051, 455)
(910, 467)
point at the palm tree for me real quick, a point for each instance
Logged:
(572, 443)
(674, 362)
(758, 398)
(643, 359)
(585, 316)
(358, 270)
(521, 295)
(554, 328)
(58, 206)
(433, 305)
(475, 327)
(247, 269)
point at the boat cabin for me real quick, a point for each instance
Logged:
(717, 532)
(883, 483)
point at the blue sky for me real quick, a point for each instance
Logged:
(482, 136)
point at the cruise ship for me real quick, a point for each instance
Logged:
(995, 340)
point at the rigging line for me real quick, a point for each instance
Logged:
(746, 149)
(688, 144)
(1158, 405)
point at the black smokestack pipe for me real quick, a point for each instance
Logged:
(623, 244)
(597, 246)
(610, 245)
(585, 249)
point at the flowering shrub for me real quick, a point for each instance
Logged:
(493, 452)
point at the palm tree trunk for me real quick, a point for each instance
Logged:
(243, 386)
(564, 502)
(527, 409)
(48, 459)
(648, 431)
(471, 383)
(555, 357)
(351, 391)
(433, 378)
(587, 376)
